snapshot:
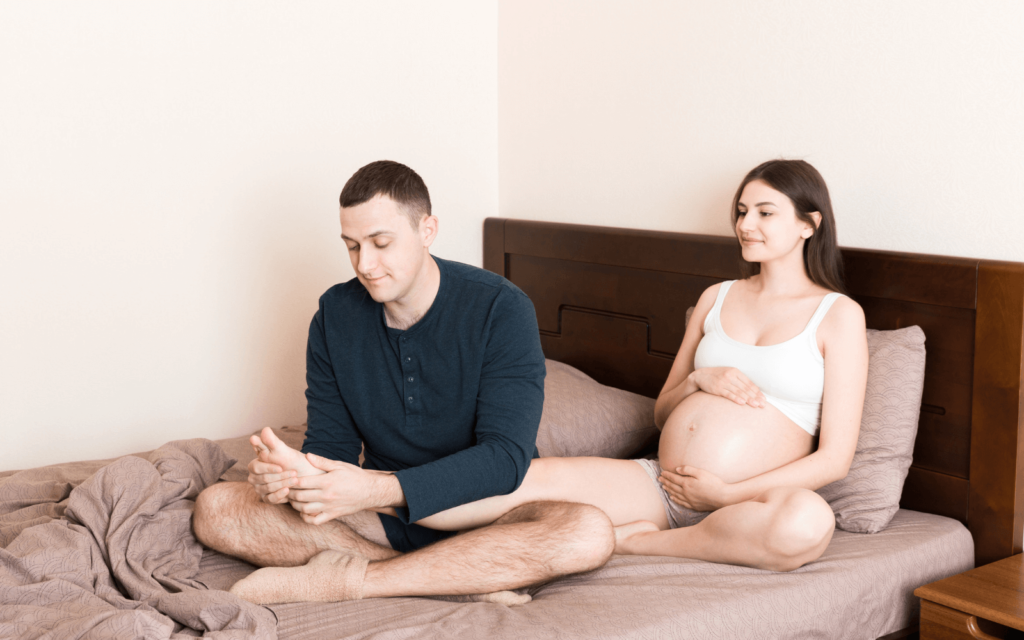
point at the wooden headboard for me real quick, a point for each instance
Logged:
(611, 302)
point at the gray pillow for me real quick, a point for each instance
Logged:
(583, 417)
(869, 496)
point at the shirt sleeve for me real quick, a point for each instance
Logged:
(508, 410)
(330, 430)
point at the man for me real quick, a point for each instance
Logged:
(434, 368)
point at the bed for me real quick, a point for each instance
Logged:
(609, 302)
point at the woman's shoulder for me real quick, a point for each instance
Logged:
(844, 304)
(707, 299)
(704, 305)
(844, 318)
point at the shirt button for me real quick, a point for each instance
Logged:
(410, 379)
(409, 398)
(408, 359)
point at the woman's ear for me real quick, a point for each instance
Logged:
(808, 232)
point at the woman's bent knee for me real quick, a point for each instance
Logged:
(800, 530)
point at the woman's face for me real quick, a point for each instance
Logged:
(766, 224)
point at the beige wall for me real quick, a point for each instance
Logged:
(170, 170)
(647, 114)
(170, 178)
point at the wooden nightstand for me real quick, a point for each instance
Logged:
(987, 602)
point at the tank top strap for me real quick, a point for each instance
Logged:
(716, 310)
(819, 314)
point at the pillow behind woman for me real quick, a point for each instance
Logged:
(583, 417)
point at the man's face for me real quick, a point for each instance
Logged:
(386, 252)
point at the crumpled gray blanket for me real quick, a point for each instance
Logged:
(122, 561)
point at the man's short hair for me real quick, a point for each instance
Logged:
(391, 179)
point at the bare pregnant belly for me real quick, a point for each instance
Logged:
(732, 441)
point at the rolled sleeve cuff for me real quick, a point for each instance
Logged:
(423, 494)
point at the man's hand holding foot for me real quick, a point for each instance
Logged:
(342, 489)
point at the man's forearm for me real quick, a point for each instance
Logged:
(386, 493)
(345, 489)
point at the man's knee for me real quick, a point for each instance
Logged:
(801, 527)
(580, 535)
(596, 537)
(217, 508)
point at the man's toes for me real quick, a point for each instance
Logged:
(258, 446)
(275, 451)
(271, 440)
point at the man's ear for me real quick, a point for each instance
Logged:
(816, 216)
(428, 230)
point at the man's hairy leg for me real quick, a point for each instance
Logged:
(229, 517)
(531, 544)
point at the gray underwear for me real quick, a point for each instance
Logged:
(678, 516)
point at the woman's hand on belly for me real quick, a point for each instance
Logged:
(730, 383)
(696, 489)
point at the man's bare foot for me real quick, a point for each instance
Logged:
(269, 448)
(628, 533)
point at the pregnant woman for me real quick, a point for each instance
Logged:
(762, 405)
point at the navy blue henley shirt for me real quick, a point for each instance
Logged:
(451, 404)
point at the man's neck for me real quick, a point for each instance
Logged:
(405, 312)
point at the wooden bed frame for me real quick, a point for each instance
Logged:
(611, 302)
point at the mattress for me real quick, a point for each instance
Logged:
(862, 587)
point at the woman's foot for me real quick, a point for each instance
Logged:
(270, 448)
(626, 535)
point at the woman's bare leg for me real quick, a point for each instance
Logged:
(620, 488)
(780, 530)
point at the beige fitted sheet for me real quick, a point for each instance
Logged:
(862, 587)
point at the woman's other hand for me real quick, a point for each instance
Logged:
(695, 488)
(730, 383)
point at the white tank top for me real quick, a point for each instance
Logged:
(791, 374)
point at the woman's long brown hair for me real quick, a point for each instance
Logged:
(806, 189)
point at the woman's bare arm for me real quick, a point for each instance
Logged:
(684, 380)
(679, 383)
(843, 338)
